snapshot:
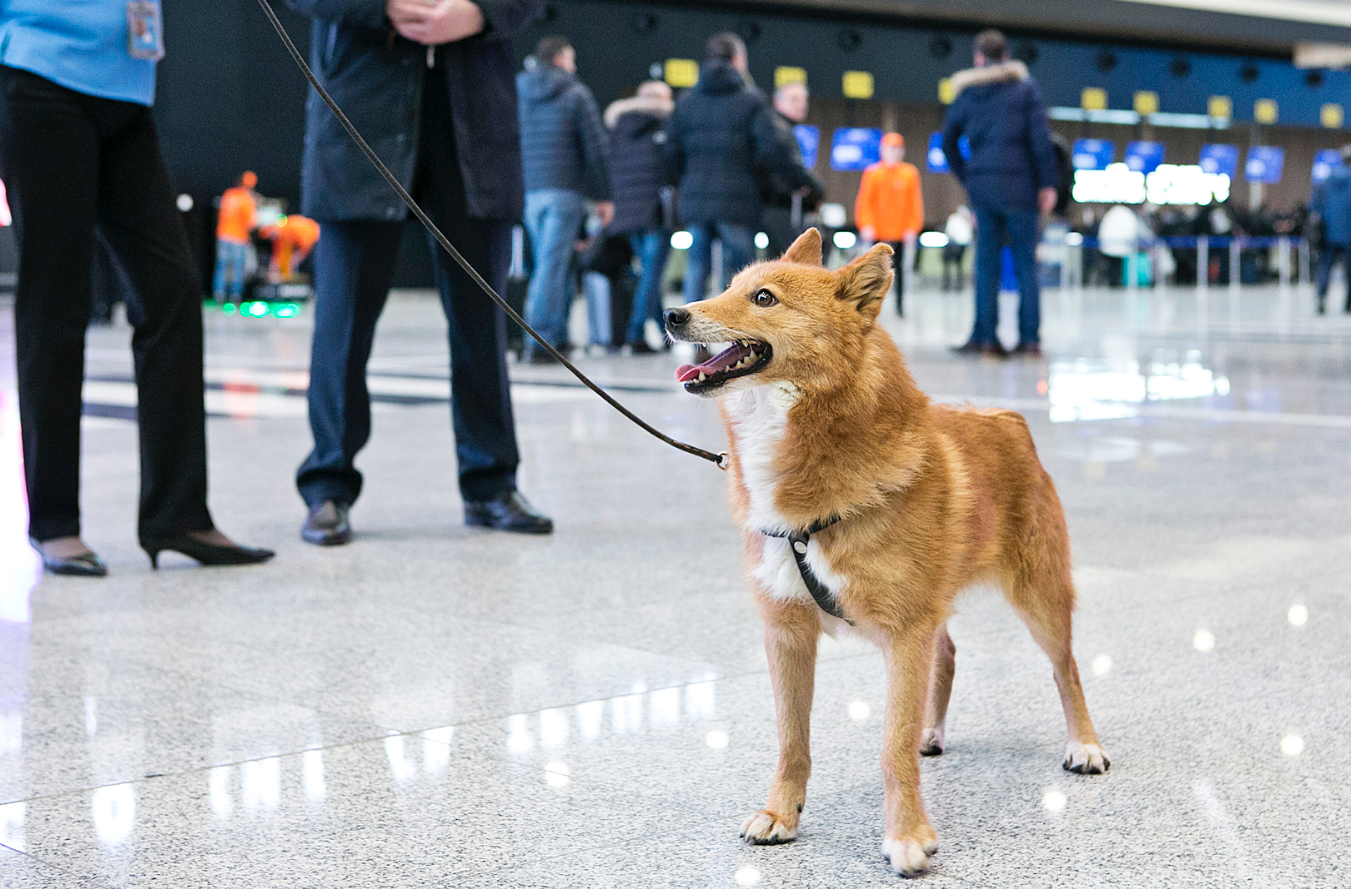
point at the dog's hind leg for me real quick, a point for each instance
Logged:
(791, 633)
(940, 690)
(910, 839)
(1047, 608)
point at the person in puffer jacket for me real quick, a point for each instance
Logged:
(721, 135)
(564, 156)
(1011, 174)
(637, 175)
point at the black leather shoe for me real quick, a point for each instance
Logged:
(1031, 350)
(206, 553)
(970, 347)
(327, 524)
(86, 564)
(509, 512)
(640, 347)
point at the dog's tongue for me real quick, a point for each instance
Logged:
(723, 360)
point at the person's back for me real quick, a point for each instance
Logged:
(1000, 111)
(563, 145)
(238, 215)
(1334, 205)
(716, 134)
(636, 166)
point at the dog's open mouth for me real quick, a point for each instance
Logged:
(742, 358)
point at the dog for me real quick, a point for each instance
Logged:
(863, 504)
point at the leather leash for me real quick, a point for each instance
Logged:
(720, 459)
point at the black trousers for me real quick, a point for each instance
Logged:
(898, 270)
(353, 269)
(73, 162)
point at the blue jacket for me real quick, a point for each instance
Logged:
(722, 144)
(376, 78)
(1332, 202)
(77, 44)
(1001, 112)
(563, 143)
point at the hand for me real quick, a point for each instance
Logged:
(1046, 199)
(910, 238)
(868, 234)
(605, 212)
(433, 22)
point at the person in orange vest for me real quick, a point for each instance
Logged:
(890, 206)
(237, 219)
(292, 237)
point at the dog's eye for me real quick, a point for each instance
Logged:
(764, 299)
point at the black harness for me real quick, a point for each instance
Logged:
(797, 542)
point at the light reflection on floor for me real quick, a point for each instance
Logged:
(20, 565)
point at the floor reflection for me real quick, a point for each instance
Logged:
(20, 567)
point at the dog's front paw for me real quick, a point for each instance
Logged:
(909, 856)
(764, 828)
(931, 742)
(1085, 759)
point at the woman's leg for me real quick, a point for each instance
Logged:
(49, 148)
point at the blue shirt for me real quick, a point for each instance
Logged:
(79, 44)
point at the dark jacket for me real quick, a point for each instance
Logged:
(376, 78)
(637, 172)
(720, 137)
(563, 143)
(1001, 112)
(1332, 204)
(778, 191)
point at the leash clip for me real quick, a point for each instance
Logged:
(724, 460)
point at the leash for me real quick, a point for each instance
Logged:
(797, 542)
(721, 460)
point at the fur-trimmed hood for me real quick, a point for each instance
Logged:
(659, 108)
(1004, 71)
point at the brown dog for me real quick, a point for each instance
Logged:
(893, 506)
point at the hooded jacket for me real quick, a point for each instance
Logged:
(563, 144)
(1001, 112)
(376, 77)
(637, 174)
(720, 136)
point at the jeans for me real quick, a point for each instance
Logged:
(1022, 229)
(1331, 254)
(738, 250)
(553, 217)
(353, 268)
(73, 162)
(230, 261)
(651, 247)
(596, 288)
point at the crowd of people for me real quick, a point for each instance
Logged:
(80, 153)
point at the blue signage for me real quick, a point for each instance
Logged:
(1093, 154)
(809, 140)
(855, 148)
(1144, 157)
(1324, 162)
(1219, 159)
(1265, 163)
(937, 161)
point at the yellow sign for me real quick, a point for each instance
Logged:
(1146, 102)
(1265, 111)
(946, 94)
(681, 73)
(1332, 116)
(858, 85)
(1221, 107)
(787, 74)
(1093, 98)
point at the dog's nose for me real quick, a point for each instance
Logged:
(676, 318)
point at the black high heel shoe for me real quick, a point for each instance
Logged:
(206, 553)
(86, 564)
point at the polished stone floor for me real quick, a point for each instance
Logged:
(439, 706)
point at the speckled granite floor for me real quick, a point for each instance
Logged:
(435, 706)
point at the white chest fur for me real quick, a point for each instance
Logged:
(760, 422)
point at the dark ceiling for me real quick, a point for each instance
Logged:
(1101, 18)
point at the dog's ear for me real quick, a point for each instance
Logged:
(866, 280)
(806, 250)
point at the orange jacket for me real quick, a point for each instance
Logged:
(299, 232)
(238, 215)
(890, 201)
